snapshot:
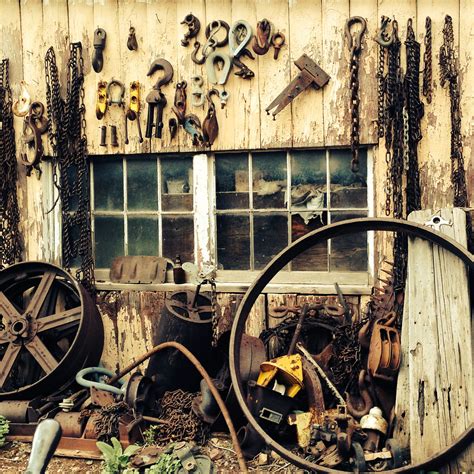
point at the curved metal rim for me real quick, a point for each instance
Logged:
(78, 350)
(285, 256)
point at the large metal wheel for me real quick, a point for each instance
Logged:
(49, 329)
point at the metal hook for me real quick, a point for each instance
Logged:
(382, 37)
(357, 40)
(211, 73)
(166, 67)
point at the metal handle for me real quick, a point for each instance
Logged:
(81, 380)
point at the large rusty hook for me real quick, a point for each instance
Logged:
(355, 41)
(382, 37)
(166, 67)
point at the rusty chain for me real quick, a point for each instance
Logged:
(214, 315)
(449, 74)
(67, 136)
(10, 238)
(428, 62)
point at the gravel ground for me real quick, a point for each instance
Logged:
(14, 459)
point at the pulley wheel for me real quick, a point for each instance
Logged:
(49, 329)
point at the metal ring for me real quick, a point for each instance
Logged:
(284, 257)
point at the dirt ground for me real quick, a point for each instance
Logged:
(14, 459)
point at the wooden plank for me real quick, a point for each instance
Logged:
(273, 77)
(434, 160)
(335, 62)
(186, 68)
(466, 62)
(307, 110)
(106, 17)
(367, 9)
(243, 112)
(134, 65)
(256, 321)
(161, 42)
(441, 402)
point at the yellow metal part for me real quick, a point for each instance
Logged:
(135, 97)
(101, 104)
(303, 422)
(286, 370)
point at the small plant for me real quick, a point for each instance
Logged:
(4, 429)
(149, 435)
(115, 458)
(166, 464)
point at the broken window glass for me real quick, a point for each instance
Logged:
(269, 180)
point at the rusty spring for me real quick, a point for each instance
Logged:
(182, 424)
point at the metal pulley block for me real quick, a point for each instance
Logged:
(286, 371)
(101, 103)
(385, 351)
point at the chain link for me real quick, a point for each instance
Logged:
(10, 238)
(428, 62)
(67, 136)
(214, 315)
(449, 73)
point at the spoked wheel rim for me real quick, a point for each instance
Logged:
(49, 329)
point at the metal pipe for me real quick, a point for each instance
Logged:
(298, 328)
(205, 376)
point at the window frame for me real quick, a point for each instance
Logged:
(205, 232)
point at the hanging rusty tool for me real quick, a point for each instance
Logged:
(311, 75)
(35, 125)
(21, 106)
(99, 45)
(173, 127)
(179, 107)
(197, 92)
(263, 36)
(115, 99)
(194, 26)
(132, 44)
(213, 59)
(101, 102)
(239, 38)
(212, 30)
(133, 111)
(155, 99)
(192, 125)
(210, 127)
(244, 71)
(355, 46)
(278, 40)
(428, 62)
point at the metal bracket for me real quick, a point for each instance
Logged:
(436, 222)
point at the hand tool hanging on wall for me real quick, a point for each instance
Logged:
(449, 74)
(192, 125)
(355, 47)
(414, 111)
(239, 38)
(101, 103)
(132, 43)
(22, 104)
(197, 92)
(210, 127)
(263, 37)
(133, 111)
(213, 29)
(311, 75)
(34, 125)
(10, 236)
(99, 45)
(428, 62)
(115, 99)
(68, 141)
(179, 107)
(194, 26)
(103, 135)
(278, 40)
(155, 99)
(211, 61)
(173, 127)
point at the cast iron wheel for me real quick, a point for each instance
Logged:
(49, 329)
(322, 234)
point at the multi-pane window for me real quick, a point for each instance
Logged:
(142, 205)
(266, 200)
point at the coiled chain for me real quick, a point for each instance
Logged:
(10, 237)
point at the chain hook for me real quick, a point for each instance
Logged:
(382, 37)
(356, 40)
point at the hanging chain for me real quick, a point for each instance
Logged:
(67, 136)
(355, 46)
(415, 112)
(449, 73)
(381, 91)
(214, 315)
(428, 62)
(10, 238)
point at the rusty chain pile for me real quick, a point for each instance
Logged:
(67, 136)
(181, 422)
(10, 238)
(449, 74)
